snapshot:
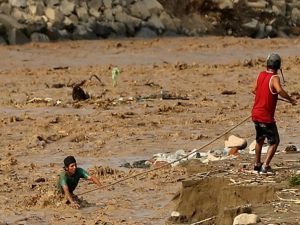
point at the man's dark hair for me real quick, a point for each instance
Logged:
(69, 160)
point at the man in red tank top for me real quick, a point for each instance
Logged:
(266, 89)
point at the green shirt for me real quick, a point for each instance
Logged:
(71, 181)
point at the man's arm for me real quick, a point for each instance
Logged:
(69, 197)
(278, 88)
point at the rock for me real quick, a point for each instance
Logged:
(37, 10)
(168, 22)
(279, 7)
(102, 29)
(295, 16)
(20, 15)
(261, 4)
(155, 23)
(2, 41)
(107, 4)
(82, 13)
(54, 15)
(52, 3)
(153, 6)
(37, 25)
(140, 10)
(16, 36)
(94, 12)
(118, 28)
(67, 7)
(5, 8)
(146, 32)
(117, 9)
(18, 3)
(82, 32)
(108, 15)
(10, 22)
(260, 31)
(132, 23)
(225, 4)
(39, 37)
(95, 4)
(251, 27)
(245, 218)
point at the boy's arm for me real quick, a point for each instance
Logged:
(95, 180)
(69, 197)
(254, 86)
(278, 88)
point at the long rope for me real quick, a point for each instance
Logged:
(168, 164)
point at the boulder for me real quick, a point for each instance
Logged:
(54, 15)
(108, 15)
(102, 29)
(132, 23)
(67, 7)
(153, 6)
(82, 32)
(51, 3)
(16, 37)
(168, 22)
(119, 28)
(94, 12)
(95, 4)
(107, 4)
(250, 28)
(82, 13)
(18, 3)
(39, 37)
(295, 16)
(140, 10)
(224, 4)
(37, 10)
(2, 41)
(279, 7)
(146, 32)
(10, 22)
(155, 23)
(245, 218)
(5, 8)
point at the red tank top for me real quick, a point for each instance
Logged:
(265, 100)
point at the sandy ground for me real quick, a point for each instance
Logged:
(125, 123)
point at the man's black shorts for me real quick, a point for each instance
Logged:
(267, 130)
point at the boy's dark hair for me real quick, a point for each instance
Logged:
(69, 160)
(274, 61)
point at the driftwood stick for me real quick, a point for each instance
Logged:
(202, 221)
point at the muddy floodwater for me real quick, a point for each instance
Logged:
(209, 80)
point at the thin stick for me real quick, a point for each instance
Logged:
(168, 164)
(202, 221)
(284, 100)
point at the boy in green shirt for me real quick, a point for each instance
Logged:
(69, 179)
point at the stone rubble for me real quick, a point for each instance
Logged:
(24, 21)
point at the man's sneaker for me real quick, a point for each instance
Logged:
(267, 170)
(257, 167)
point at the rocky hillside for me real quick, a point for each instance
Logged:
(22, 21)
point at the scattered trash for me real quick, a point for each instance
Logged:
(44, 100)
(114, 75)
(144, 164)
(291, 149)
(78, 94)
(264, 149)
(59, 85)
(226, 92)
